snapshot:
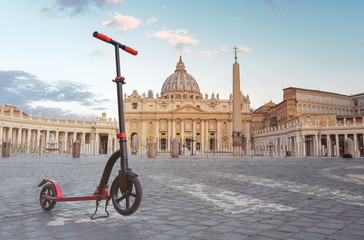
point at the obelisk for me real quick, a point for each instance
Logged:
(237, 125)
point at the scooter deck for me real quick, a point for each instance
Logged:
(74, 199)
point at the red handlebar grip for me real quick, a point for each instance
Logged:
(102, 37)
(130, 50)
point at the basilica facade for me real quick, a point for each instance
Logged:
(201, 123)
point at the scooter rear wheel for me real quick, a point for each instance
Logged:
(47, 189)
(126, 203)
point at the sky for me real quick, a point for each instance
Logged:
(50, 63)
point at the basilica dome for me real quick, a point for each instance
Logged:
(180, 81)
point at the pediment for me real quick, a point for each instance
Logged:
(188, 109)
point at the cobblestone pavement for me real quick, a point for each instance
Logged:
(190, 198)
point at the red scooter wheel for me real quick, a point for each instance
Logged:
(126, 203)
(48, 190)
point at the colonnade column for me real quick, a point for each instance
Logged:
(83, 140)
(10, 134)
(38, 137)
(47, 136)
(1, 134)
(57, 139)
(19, 135)
(65, 141)
(29, 135)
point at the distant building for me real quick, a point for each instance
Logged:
(310, 123)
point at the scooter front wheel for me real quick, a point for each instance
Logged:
(126, 203)
(48, 190)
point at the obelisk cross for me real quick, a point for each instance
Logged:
(235, 53)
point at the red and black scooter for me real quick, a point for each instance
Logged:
(126, 191)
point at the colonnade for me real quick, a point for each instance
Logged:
(304, 144)
(31, 139)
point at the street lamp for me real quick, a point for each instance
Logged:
(192, 139)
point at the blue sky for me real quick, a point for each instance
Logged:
(50, 62)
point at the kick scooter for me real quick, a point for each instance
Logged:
(126, 191)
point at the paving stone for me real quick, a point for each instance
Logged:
(232, 236)
(324, 231)
(309, 236)
(289, 228)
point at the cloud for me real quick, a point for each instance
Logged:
(78, 7)
(207, 53)
(27, 92)
(177, 38)
(223, 48)
(151, 20)
(122, 22)
(244, 49)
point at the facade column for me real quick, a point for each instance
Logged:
(157, 131)
(169, 133)
(193, 145)
(207, 137)
(202, 135)
(1, 134)
(141, 137)
(182, 130)
(173, 128)
(337, 145)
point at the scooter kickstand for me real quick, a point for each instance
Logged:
(97, 206)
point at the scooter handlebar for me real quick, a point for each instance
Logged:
(102, 37)
(129, 50)
(109, 40)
